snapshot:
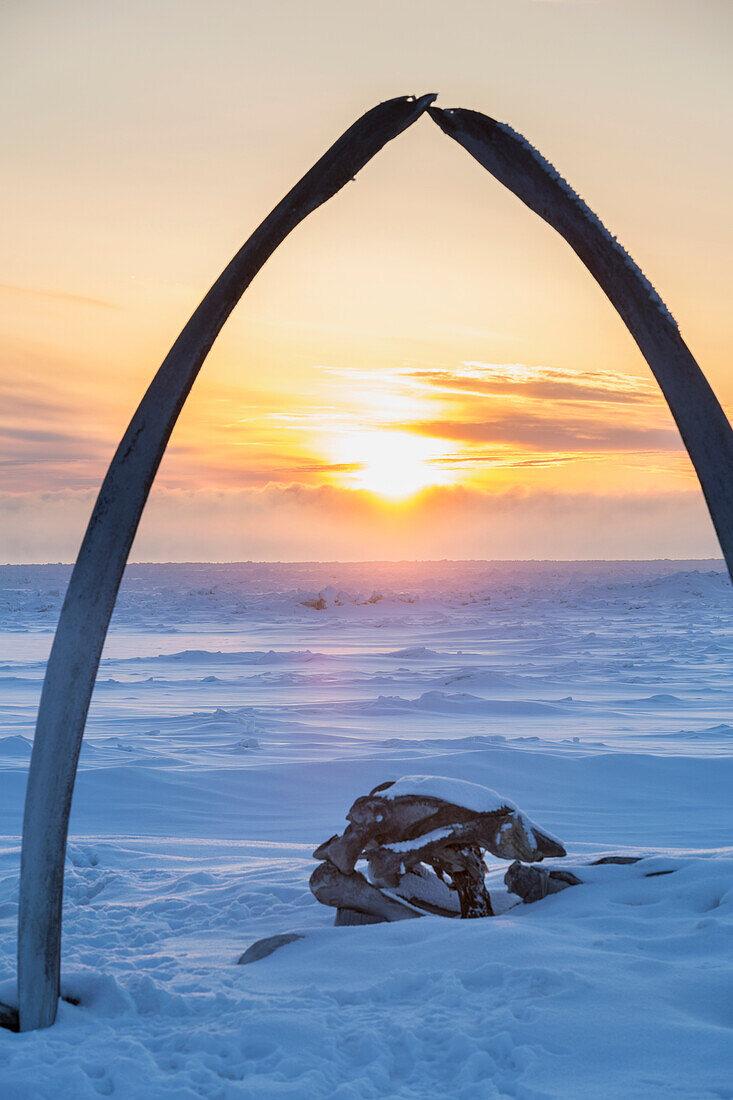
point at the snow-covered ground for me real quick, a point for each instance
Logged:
(240, 710)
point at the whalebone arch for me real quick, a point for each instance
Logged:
(95, 580)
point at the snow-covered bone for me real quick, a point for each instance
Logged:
(459, 792)
(400, 814)
(404, 825)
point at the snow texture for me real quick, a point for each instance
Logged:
(480, 800)
(231, 729)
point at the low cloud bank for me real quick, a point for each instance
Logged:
(300, 523)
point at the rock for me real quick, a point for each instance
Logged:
(262, 948)
(622, 861)
(534, 883)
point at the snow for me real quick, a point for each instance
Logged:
(480, 800)
(232, 728)
(427, 838)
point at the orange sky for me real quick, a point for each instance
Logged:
(424, 369)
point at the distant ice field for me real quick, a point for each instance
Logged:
(239, 711)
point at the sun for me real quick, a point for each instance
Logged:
(392, 463)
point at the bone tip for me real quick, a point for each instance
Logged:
(422, 103)
(442, 116)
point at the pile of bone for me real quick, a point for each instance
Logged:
(424, 839)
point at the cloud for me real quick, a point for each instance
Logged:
(533, 416)
(300, 523)
(45, 440)
(556, 411)
(551, 384)
(550, 434)
(55, 296)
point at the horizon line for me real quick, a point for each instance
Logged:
(387, 561)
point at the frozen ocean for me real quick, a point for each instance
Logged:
(239, 711)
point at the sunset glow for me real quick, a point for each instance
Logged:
(423, 330)
(394, 464)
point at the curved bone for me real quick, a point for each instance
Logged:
(92, 590)
(455, 855)
(702, 423)
(353, 892)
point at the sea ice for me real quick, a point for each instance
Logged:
(231, 728)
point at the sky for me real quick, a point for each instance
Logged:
(423, 369)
